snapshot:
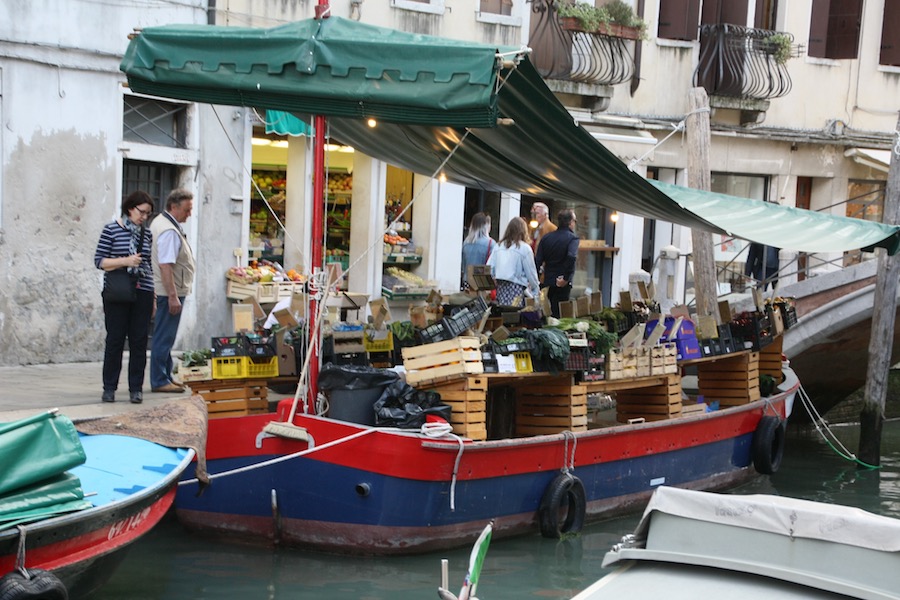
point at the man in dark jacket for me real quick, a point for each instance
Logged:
(557, 253)
(762, 265)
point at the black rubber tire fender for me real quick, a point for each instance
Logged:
(565, 492)
(767, 448)
(39, 585)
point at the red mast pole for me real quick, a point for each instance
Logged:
(318, 234)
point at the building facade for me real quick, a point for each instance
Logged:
(804, 122)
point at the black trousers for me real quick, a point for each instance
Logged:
(555, 295)
(127, 320)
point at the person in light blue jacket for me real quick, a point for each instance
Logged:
(477, 246)
(512, 263)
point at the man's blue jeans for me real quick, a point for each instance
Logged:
(164, 330)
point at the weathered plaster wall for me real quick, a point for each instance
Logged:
(60, 168)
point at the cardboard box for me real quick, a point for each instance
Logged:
(380, 312)
(596, 302)
(582, 306)
(242, 318)
(567, 309)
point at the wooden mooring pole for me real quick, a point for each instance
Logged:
(697, 128)
(871, 418)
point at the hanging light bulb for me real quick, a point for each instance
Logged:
(533, 224)
(371, 122)
(442, 178)
(614, 217)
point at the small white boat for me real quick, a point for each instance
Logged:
(694, 545)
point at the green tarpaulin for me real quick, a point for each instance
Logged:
(35, 454)
(429, 93)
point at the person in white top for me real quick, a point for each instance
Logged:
(512, 263)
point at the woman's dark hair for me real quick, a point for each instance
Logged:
(136, 199)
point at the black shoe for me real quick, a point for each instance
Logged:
(108, 396)
(137, 397)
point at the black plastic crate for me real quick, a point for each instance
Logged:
(579, 359)
(261, 346)
(753, 328)
(436, 332)
(230, 346)
(788, 315)
(507, 349)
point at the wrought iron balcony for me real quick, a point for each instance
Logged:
(563, 51)
(739, 62)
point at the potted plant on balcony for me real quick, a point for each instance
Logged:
(615, 19)
(779, 47)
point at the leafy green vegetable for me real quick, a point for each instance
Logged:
(603, 339)
(550, 345)
(196, 358)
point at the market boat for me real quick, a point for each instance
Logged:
(321, 483)
(699, 545)
(71, 504)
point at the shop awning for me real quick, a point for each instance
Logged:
(428, 94)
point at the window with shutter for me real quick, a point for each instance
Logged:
(890, 44)
(834, 28)
(678, 19)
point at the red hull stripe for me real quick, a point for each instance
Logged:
(388, 453)
(111, 536)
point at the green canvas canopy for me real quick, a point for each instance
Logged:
(436, 98)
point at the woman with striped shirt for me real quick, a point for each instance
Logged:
(126, 243)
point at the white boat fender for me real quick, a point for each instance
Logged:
(767, 448)
(32, 584)
(565, 493)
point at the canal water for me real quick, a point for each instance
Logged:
(171, 564)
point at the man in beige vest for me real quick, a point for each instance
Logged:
(173, 279)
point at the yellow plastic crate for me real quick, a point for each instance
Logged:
(385, 344)
(523, 362)
(244, 367)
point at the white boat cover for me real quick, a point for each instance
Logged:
(779, 515)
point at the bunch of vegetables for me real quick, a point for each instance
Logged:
(603, 339)
(549, 345)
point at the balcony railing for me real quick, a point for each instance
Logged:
(564, 52)
(744, 63)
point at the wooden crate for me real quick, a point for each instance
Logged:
(770, 359)
(442, 361)
(655, 402)
(467, 399)
(731, 381)
(232, 398)
(549, 409)
(188, 374)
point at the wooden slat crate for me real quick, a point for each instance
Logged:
(663, 359)
(549, 409)
(442, 361)
(467, 399)
(770, 359)
(652, 403)
(732, 381)
(231, 398)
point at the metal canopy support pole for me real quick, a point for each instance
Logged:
(318, 237)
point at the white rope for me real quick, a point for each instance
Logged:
(822, 426)
(273, 461)
(569, 460)
(675, 129)
(438, 430)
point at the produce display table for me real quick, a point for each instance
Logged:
(547, 403)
